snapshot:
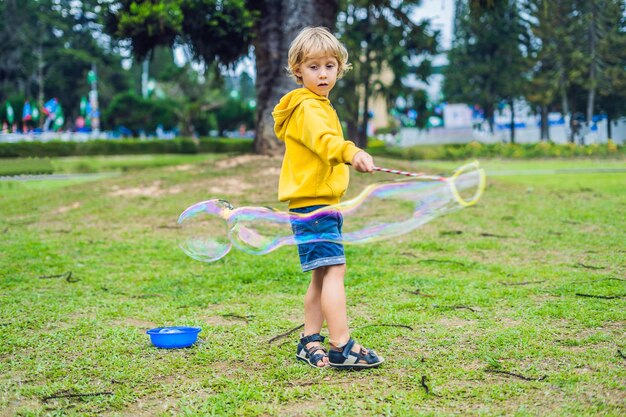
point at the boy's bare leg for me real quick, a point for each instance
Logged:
(313, 316)
(333, 302)
(334, 306)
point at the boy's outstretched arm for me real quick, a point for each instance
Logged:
(363, 162)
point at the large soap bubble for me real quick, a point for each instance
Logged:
(204, 231)
(383, 210)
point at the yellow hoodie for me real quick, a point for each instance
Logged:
(314, 170)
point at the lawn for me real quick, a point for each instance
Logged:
(515, 306)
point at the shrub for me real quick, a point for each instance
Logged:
(502, 150)
(58, 148)
(137, 113)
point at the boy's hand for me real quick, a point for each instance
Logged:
(363, 162)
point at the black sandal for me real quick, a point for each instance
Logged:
(347, 359)
(311, 355)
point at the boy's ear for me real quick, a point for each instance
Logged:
(297, 72)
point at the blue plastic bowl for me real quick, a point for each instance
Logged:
(174, 337)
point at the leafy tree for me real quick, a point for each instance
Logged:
(49, 46)
(578, 57)
(214, 32)
(138, 114)
(381, 38)
(196, 95)
(220, 31)
(213, 29)
(547, 51)
(488, 60)
(278, 23)
(612, 47)
(232, 114)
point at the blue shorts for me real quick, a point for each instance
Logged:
(327, 227)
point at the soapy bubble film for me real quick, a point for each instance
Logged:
(204, 232)
(381, 211)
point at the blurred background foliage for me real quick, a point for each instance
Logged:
(566, 55)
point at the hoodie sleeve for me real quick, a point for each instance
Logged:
(321, 136)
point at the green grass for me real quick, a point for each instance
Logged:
(555, 235)
(92, 164)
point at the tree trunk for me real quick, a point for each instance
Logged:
(361, 141)
(592, 66)
(40, 81)
(512, 121)
(565, 103)
(564, 100)
(545, 125)
(279, 23)
(608, 126)
(489, 110)
(353, 129)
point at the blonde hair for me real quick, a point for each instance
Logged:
(312, 41)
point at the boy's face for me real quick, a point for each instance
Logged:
(319, 73)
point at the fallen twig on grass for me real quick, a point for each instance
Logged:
(521, 283)
(582, 265)
(599, 280)
(235, 316)
(423, 383)
(604, 297)
(442, 261)
(280, 336)
(420, 293)
(619, 352)
(63, 394)
(67, 275)
(326, 381)
(459, 308)
(466, 308)
(450, 232)
(423, 380)
(494, 235)
(388, 325)
(525, 378)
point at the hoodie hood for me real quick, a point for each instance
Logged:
(284, 109)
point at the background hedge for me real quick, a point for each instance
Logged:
(23, 158)
(497, 150)
(56, 148)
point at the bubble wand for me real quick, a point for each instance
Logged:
(450, 180)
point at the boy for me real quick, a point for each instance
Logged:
(314, 175)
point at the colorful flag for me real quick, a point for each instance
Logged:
(27, 112)
(35, 114)
(10, 113)
(83, 106)
(50, 107)
(59, 119)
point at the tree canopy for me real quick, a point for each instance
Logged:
(488, 60)
(385, 47)
(561, 55)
